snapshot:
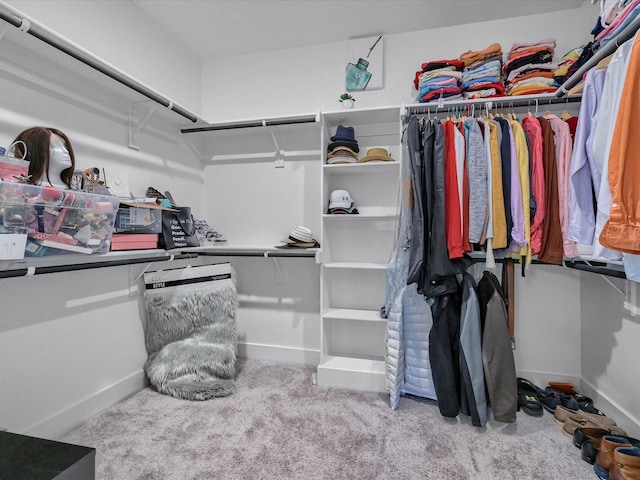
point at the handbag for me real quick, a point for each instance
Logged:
(178, 229)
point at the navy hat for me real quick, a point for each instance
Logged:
(345, 134)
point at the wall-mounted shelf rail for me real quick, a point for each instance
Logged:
(593, 267)
(113, 262)
(267, 122)
(30, 26)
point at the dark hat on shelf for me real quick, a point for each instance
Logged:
(343, 133)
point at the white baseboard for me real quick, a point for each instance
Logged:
(277, 353)
(72, 417)
(626, 421)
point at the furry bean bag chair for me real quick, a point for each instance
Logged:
(191, 332)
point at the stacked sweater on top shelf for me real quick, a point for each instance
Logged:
(529, 68)
(482, 75)
(439, 79)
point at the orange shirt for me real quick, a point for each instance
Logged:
(622, 230)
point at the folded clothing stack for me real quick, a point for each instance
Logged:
(483, 78)
(438, 79)
(343, 147)
(566, 63)
(529, 68)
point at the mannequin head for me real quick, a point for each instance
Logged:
(50, 155)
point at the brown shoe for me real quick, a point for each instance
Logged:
(626, 464)
(604, 459)
(571, 424)
(583, 434)
(562, 413)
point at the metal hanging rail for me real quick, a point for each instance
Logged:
(19, 20)
(23, 272)
(611, 46)
(266, 253)
(312, 118)
(495, 102)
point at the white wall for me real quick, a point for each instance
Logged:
(610, 339)
(71, 344)
(301, 80)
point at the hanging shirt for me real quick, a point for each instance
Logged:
(551, 248)
(622, 230)
(487, 232)
(531, 126)
(453, 216)
(499, 217)
(477, 169)
(584, 173)
(505, 163)
(517, 232)
(523, 172)
(611, 92)
(562, 138)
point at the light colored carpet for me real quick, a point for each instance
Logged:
(277, 425)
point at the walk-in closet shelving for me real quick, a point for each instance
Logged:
(356, 250)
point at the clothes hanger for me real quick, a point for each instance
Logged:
(565, 115)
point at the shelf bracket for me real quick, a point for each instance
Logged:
(279, 154)
(281, 276)
(133, 129)
(4, 30)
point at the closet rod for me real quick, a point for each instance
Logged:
(252, 123)
(496, 102)
(265, 254)
(22, 272)
(602, 270)
(611, 46)
(20, 21)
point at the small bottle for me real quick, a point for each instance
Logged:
(357, 75)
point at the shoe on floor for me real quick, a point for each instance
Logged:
(562, 413)
(589, 450)
(583, 434)
(572, 423)
(626, 464)
(528, 399)
(604, 459)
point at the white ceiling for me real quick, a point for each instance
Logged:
(218, 28)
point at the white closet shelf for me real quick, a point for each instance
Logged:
(363, 116)
(354, 315)
(360, 216)
(356, 265)
(355, 373)
(251, 251)
(360, 168)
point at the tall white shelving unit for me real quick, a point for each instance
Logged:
(356, 250)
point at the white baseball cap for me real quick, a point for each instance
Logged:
(341, 202)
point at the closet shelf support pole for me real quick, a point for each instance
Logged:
(281, 277)
(135, 129)
(279, 157)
